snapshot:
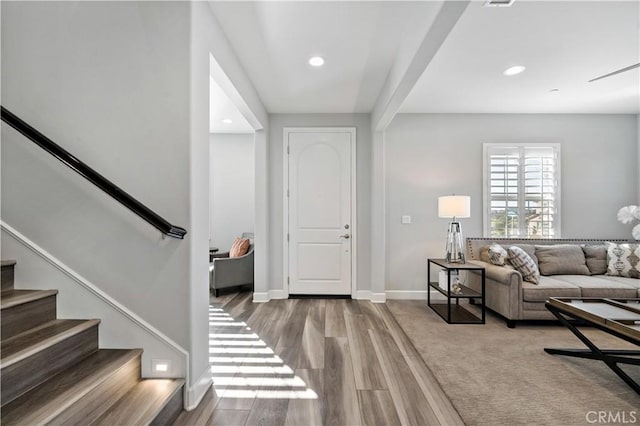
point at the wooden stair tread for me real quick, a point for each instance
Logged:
(142, 404)
(8, 262)
(25, 344)
(13, 298)
(43, 403)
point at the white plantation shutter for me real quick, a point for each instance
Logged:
(522, 190)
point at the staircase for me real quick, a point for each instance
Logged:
(52, 370)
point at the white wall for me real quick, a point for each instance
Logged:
(198, 282)
(124, 87)
(212, 55)
(638, 136)
(277, 122)
(227, 71)
(429, 155)
(232, 187)
(110, 82)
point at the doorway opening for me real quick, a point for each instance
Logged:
(231, 195)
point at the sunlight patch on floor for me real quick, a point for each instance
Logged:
(221, 360)
(214, 342)
(251, 369)
(233, 336)
(244, 367)
(227, 324)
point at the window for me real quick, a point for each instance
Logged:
(522, 190)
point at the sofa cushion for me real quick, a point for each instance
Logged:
(599, 286)
(561, 259)
(596, 257)
(623, 260)
(624, 280)
(498, 255)
(548, 287)
(524, 264)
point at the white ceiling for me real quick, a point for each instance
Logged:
(221, 108)
(562, 44)
(358, 40)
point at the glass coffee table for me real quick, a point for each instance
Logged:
(617, 317)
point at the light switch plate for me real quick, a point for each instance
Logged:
(406, 220)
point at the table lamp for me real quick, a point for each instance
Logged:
(454, 206)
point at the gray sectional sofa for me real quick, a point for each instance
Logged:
(508, 295)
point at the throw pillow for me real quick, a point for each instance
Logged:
(497, 254)
(524, 264)
(484, 254)
(530, 249)
(561, 259)
(596, 257)
(240, 247)
(623, 260)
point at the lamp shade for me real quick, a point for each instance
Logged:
(454, 206)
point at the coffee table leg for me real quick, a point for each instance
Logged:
(607, 356)
(606, 353)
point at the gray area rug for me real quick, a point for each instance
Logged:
(500, 376)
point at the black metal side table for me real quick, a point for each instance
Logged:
(452, 311)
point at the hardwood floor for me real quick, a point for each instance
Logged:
(314, 362)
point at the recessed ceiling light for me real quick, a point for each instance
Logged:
(514, 70)
(498, 3)
(316, 61)
(227, 121)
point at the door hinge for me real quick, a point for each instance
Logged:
(288, 280)
(288, 150)
(287, 192)
(287, 237)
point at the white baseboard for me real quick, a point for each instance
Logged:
(363, 295)
(406, 294)
(265, 296)
(369, 295)
(413, 295)
(261, 297)
(277, 294)
(378, 297)
(193, 395)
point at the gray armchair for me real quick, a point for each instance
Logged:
(225, 271)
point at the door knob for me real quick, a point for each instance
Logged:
(345, 236)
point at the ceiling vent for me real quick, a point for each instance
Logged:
(621, 70)
(498, 3)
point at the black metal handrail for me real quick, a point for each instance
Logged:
(92, 176)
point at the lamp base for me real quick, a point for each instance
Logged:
(455, 253)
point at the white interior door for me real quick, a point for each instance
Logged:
(319, 212)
